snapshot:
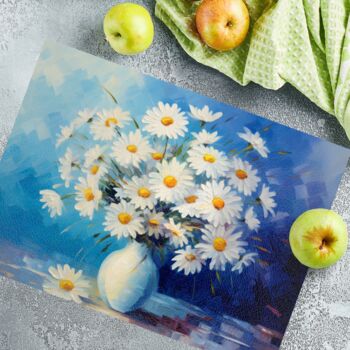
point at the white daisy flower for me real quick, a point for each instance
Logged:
(204, 115)
(157, 153)
(96, 170)
(243, 177)
(64, 282)
(255, 141)
(140, 194)
(218, 204)
(221, 245)
(122, 220)
(187, 260)
(165, 120)
(204, 138)
(93, 155)
(103, 127)
(88, 196)
(207, 160)
(52, 201)
(177, 235)
(67, 163)
(251, 220)
(131, 149)
(266, 201)
(85, 116)
(94, 164)
(244, 261)
(154, 223)
(66, 133)
(172, 181)
(187, 205)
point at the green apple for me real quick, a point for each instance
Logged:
(318, 238)
(128, 28)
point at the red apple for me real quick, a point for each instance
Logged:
(222, 24)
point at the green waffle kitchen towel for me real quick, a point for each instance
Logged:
(303, 42)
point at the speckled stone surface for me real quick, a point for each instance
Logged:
(32, 320)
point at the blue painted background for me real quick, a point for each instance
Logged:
(66, 81)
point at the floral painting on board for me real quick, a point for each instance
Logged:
(132, 196)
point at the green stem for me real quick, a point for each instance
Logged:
(118, 131)
(109, 94)
(218, 276)
(68, 195)
(110, 178)
(166, 146)
(103, 239)
(135, 123)
(212, 286)
(245, 149)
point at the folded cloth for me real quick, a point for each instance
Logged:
(303, 42)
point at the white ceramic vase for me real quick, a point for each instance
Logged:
(127, 278)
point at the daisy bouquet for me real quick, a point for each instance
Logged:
(158, 184)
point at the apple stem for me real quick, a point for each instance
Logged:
(323, 243)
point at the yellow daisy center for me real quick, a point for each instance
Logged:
(170, 181)
(209, 158)
(67, 285)
(94, 169)
(89, 194)
(241, 174)
(124, 218)
(144, 192)
(131, 148)
(153, 222)
(218, 203)
(157, 156)
(166, 121)
(190, 257)
(219, 244)
(191, 199)
(111, 121)
(176, 233)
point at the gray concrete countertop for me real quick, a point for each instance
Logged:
(32, 320)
